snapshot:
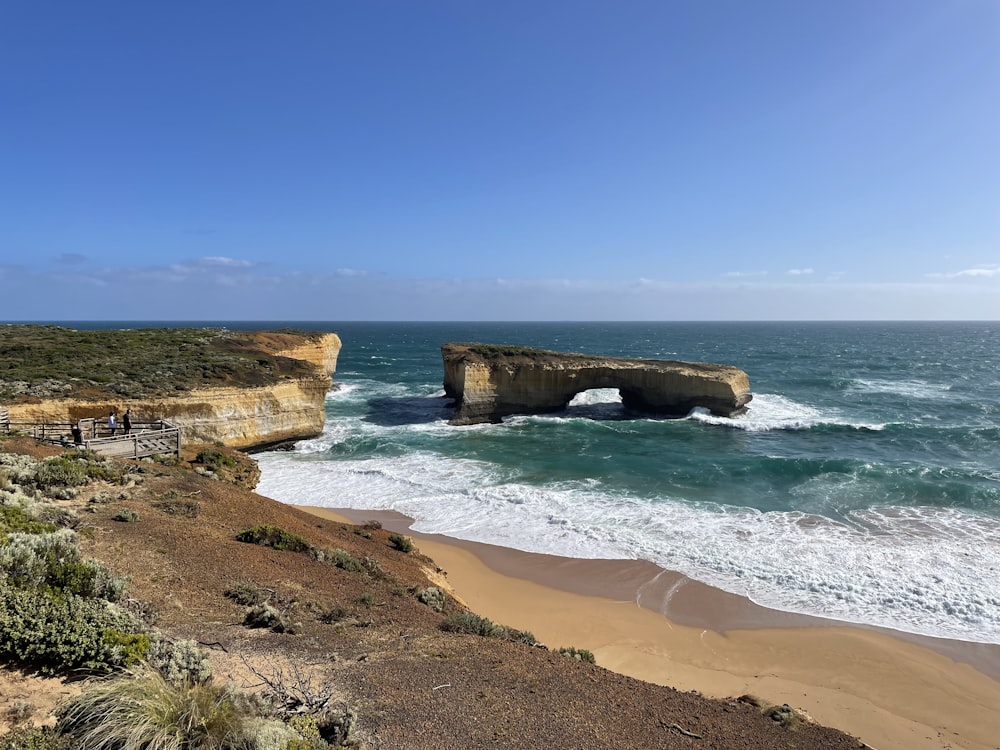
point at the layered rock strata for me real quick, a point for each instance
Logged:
(244, 417)
(488, 382)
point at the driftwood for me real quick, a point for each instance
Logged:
(294, 693)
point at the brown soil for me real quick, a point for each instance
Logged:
(411, 684)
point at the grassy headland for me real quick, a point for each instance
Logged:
(39, 362)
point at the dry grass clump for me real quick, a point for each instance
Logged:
(140, 710)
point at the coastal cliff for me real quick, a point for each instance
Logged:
(269, 388)
(488, 382)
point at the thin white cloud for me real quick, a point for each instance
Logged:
(351, 272)
(799, 271)
(985, 271)
(221, 260)
(744, 274)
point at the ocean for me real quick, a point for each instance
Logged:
(863, 484)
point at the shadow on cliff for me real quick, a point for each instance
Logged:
(393, 412)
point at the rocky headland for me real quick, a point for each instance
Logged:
(488, 382)
(245, 390)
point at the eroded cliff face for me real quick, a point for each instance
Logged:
(244, 417)
(322, 352)
(489, 382)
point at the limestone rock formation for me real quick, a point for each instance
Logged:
(244, 417)
(488, 382)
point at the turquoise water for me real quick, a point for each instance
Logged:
(863, 484)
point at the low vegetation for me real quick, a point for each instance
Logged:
(400, 542)
(51, 361)
(580, 654)
(273, 536)
(468, 622)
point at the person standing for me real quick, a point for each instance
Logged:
(127, 421)
(112, 423)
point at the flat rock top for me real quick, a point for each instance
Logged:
(511, 354)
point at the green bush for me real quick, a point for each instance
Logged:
(181, 661)
(433, 597)
(61, 471)
(580, 654)
(340, 558)
(126, 515)
(266, 616)
(52, 561)
(214, 457)
(400, 542)
(140, 710)
(13, 518)
(468, 622)
(274, 536)
(34, 738)
(248, 593)
(56, 632)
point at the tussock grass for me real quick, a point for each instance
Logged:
(139, 710)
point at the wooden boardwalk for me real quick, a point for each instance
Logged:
(145, 438)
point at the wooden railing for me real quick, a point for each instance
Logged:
(144, 439)
(4, 420)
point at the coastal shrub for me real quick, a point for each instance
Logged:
(100, 498)
(52, 561)
(214, 457)
(56, 632)
(61, 471)
(34, 738)
(372, 525)
(19, 712)
(520, 636)
(468, 622)
(274, 536)
(126, 515)
(367, 598)
(331, 614)
(140, 710)
(79, 467)
(400, 542)
(580, 654)
(14, 518)
(179, 661)
(266, 616)
(433, 597)
(784, 715)
(340, 558)
(248, 593)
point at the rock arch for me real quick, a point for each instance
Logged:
(488, 382)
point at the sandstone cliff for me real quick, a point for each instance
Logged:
(489, 382)
(239, 416)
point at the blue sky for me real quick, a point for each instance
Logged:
(465, 160)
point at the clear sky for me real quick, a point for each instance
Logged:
(514, 160)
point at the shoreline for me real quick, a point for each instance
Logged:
(891, 689)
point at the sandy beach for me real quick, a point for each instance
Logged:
(892, 691)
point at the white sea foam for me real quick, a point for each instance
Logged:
(771, 411)
(923, 570)
(918, 389)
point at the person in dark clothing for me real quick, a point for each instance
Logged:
(127, 421)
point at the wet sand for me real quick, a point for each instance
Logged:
(893, 691)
